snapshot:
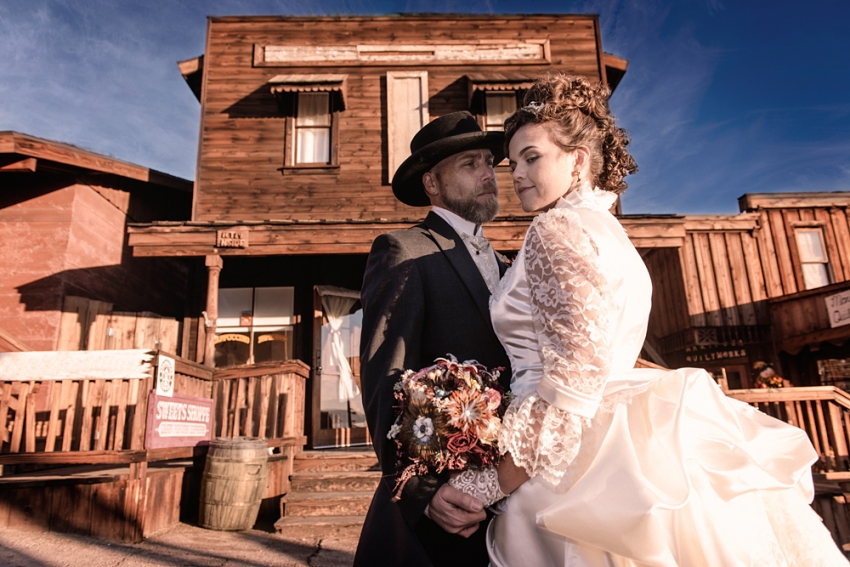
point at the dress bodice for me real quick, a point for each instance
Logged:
(629, 292)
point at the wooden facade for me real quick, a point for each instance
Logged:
(288, 197)
(63, 218)
(753, 286)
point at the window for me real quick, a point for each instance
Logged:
(813, 259)
(312, 129)
(254, 325)
(311, 105)
(407, 112)
(497, 107)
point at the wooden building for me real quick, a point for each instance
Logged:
(768, 284)
(65, 258)
(303, 123)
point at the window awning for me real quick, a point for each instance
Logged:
(494, 82)
(284, 86)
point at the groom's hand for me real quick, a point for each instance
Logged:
(456, 512)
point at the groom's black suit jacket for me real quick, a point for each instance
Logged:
(423, 297)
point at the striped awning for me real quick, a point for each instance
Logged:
(288, 84)
(499, 82)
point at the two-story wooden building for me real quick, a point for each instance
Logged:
(769, 284)
(303, 123)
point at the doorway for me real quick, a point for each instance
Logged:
(338, 416)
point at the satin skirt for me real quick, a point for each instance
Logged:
(674, 473)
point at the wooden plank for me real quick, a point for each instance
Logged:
(838, 435)
(86, 414)
(723, 279)
(839, 225)
(55, 397)
(5, 398)
(821, 420)
(96, 323)
(262, 405)
(708, 285)
(273, 407)
(70, 509)
(18, 424)
(107, 508)
(74, 313)
(73, 457)
(121, 402)
(812, 426)
(100, 432)
(241, 390)
(70, 415)
(783, 252)
(767, 253)
(741, 277)
(250, 406)
(790, 219)
(137, 439)
(29, 441)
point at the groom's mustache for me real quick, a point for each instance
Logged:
(489, 187)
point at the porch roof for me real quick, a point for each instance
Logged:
(292, 236)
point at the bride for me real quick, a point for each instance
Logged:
(607, 465)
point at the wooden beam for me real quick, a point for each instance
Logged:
(742, 222)
(9, 343)
(20, 165)
(753, 201)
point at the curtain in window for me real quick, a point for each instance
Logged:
(336, 309)
(313, 132)
(813, 258)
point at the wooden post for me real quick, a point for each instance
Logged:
(214, 265)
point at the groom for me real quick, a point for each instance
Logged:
(425, 295)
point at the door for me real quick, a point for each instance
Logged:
(338, 416)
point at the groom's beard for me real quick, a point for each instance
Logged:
(470, 209)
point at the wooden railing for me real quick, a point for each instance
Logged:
(823, 412)
(40, 417)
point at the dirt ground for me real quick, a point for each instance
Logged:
(180, 546)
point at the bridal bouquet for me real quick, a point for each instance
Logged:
(448, 417)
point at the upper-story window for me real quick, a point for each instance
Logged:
(813, 258)
(497, 107)
(312, 129)
(495, 96)
(312, 105)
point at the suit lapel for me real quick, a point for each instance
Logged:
(455, 251)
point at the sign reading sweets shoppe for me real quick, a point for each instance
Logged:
(178, 421)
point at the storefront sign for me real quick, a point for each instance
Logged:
(178, 421)
(838, 307)
(232, 238)
(714, 353)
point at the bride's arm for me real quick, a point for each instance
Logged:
(570, 307)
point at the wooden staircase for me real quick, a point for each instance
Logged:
(331, 491)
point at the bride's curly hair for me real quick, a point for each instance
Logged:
(579, 115)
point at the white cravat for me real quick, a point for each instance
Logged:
(478, 246)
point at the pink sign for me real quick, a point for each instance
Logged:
(178, 421)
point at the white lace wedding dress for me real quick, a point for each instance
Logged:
(631, 467)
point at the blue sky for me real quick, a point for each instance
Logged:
(722, 97)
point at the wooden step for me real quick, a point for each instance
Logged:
(326, 525)
(312, 504)
(327, 461)
(337, 481)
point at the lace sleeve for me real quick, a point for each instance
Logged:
(570, 311)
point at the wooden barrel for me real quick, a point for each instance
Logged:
(233, 483)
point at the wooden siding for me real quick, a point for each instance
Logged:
(242, 131)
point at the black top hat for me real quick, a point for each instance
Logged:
(437, 140)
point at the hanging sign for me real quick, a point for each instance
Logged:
(231, 238)
(178, 421)
(165, 376)
(838, 308)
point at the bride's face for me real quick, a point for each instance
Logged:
(542, 170)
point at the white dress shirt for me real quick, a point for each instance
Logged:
(478, 246)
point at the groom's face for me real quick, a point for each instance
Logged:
(465, 184)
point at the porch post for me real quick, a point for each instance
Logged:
(214, 265)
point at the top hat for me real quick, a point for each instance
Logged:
(437, 140)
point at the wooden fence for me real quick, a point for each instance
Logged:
(86, 421)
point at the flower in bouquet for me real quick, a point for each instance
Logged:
(448, 417)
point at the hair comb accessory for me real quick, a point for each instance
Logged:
(534, 107)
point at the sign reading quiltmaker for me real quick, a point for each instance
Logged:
(178, 421)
